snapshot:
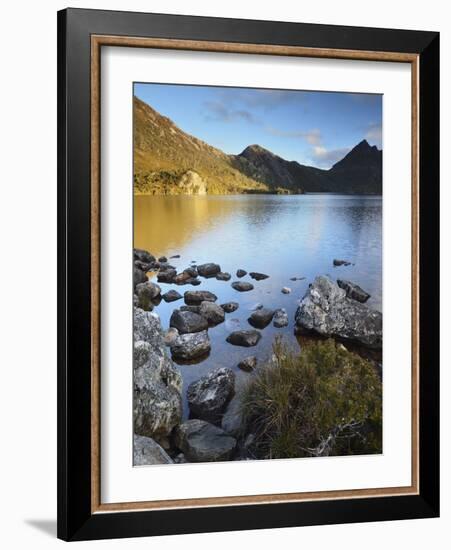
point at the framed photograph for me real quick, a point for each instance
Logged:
(248, 274)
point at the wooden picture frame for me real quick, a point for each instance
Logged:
(81, 35)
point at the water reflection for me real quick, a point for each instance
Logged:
(283, 236)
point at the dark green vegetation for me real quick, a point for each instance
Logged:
(323, 401)
(168, 161)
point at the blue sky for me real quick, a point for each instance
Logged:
(313, 128)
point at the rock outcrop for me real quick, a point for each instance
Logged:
(208, 397)
(353, 291)
(328, 311)
(244, 338)
(195, 297)
(187, 347)
(212, 313)
(201, 441)
(146, 452)
(261, 317)
(157, 382)
(187, 321)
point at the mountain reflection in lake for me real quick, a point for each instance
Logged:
(282, 236)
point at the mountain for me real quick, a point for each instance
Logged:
(360, 171)
(169, 161)
(278, 173)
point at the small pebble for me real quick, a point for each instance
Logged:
(286, 290)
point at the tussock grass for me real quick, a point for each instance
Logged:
(322, 401)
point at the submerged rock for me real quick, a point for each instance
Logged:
(241, 273)
(248, 364)
(208, 397)
(146, 451)
(187, 321)
(223, 276)
(261, 317)
(338, 263)
(174, 256)
(204, 442)
(213, 313)
(280, 318)
(230, 307)
(244, 338)
(171, 296)
(353, 291)
(191, 346)
(157, 382)
(326, 310)
(195, 297)
(208, 270)
(258, 276)
(242, 286)
(286, 290)
(162, 259)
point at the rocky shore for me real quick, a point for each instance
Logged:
(215, 430)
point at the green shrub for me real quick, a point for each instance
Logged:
(322, 401)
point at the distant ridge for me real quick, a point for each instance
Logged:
(170, 161)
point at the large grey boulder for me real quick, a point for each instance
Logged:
(261, 317)
(204, 442)
(353, 291)
(208, 396)
(146, 451)
(187, 321)
(244, 338)
(191, 346)
(157, 382)
(196, 297)
(212, 313)
(326, 310)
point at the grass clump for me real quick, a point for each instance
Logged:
(323, 401)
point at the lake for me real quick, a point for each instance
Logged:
(283, 236)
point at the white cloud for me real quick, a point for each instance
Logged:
(374, 133)
(326, 158)
(313, 136)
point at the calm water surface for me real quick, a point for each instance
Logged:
(282, 236)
